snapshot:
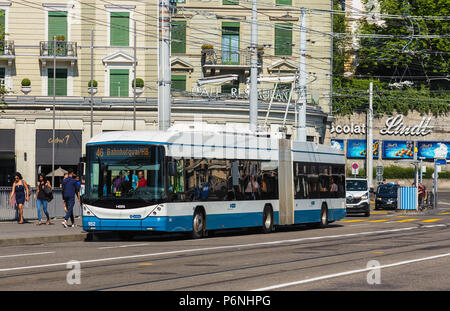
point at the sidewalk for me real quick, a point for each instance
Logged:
(12, 233)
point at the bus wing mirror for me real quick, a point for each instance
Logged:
(172, 168)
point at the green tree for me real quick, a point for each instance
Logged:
(402, 56)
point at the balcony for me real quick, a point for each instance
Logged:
(7, 51)
(227, 61)
(63, 51)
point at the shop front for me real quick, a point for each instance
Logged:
(68, 146)
(7, 157)
(397, 139)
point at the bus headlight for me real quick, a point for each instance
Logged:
(365, 196)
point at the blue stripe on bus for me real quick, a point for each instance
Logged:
(213, 221)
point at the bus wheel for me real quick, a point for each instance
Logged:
(198, 224)
(267, 224)
(323, 217)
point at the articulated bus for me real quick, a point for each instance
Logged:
(195, 181)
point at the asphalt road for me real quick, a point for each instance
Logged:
(403, 253)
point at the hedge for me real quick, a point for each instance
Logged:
(396, 172)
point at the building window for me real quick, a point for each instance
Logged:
(178, 40)
(230, 43)
(283, 39)
(178, 83)
(57, 25)
(120, 29)
(60, 83)
(118, 82)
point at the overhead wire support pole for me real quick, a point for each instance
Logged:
(54, 109)
(134, 81)
(254, 70)
(92, 82)
(164, 70)
(369, 143)
(301, 126)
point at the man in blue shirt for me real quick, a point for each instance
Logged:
(70, 187)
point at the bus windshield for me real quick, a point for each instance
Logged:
(125, 172)
(356, 185)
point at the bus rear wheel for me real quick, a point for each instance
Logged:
(198, 224)
(323, 217)
(267, 224)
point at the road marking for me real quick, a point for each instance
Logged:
(145, 264)
(379, 220)
(378, 252)
(445, 203)
(28, 254)
(183, 251)
(406, 220)
(122, 246)
(355, 220)
(379, 213)
(431, 220)
(335, 275)
(446, 213)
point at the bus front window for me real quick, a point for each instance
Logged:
(125, 172)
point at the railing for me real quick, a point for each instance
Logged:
(7, 48)
(216, 57)
(62, 48)
(54, 208)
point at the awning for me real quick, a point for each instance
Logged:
(217, 80)
(274, 79)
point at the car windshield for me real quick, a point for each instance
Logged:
(387, 189)
(125, 172)
(356, 185)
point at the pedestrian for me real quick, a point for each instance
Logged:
(21, 194)
(64, 201)
(70, 189)
(43, 193)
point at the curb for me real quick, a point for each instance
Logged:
(44, 239)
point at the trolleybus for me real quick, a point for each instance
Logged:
(190, 181)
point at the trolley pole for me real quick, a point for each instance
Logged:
(134, 81)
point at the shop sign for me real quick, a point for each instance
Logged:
(393, 126)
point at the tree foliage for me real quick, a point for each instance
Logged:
(408, 73)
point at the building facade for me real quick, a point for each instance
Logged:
(209, 40)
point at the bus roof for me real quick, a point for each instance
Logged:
(220, 145)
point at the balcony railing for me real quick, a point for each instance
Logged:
(225, 57)
(62, 49)
(7, 48)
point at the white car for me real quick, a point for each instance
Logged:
(357, 196)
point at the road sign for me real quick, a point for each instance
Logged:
(355, 168)
(441, 161)
(380, 170)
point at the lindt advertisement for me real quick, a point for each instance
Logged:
(356, 148)
(398, 149)
(337, 144)
(433, 149)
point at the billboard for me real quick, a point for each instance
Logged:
(398, 149)
(337, 144)
(432, 149)
(356, 148)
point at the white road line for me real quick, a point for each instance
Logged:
(213, 248)
(28, 254)
(122, 246)
(335, 275)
